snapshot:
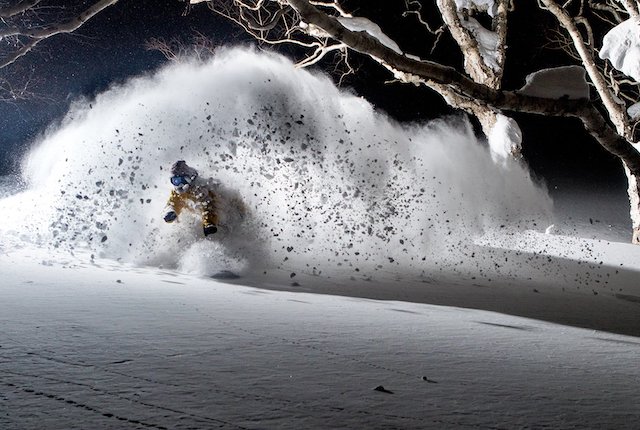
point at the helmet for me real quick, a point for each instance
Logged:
(182, 176)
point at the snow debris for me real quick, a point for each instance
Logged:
(488, 6)
(557, 82)
(378, 181)
(196, 1)
(621, 46)
(634, 111)
(382, 389)
(364, 24)
(505, 138)
(488, 41)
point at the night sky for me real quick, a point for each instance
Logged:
(110, 48)
(106, 50)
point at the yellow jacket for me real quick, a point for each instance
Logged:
(200, 197)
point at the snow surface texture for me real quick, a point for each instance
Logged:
(332, 186)
(621, 46)
(106, 346)
(557, 82)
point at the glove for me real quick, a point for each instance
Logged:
(170, 216)
(210, 229)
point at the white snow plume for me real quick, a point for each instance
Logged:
(9, 185)
(331, 184)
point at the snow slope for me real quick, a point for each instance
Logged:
(335, 190)
(359, 227)
(107, 346)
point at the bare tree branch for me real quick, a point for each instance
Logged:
(414, 7)
(630, 7)
(36, 34)
(617, 112)
(23, 6)
(427, 72)
(199, 46)
(332, 4)
(611, 9)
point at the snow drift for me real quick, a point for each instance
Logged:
(331, 184)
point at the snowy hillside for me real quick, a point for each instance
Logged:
(106, 346)
(373, 254)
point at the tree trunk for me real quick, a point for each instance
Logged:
(634, 201)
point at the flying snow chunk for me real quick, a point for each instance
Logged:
(505, 138)
(488, 6)
(557, 82)
(621, 46)
(364, 24)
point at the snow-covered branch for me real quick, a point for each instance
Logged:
(615, 110)
(484, 53)
(431, 72)
(479, 45)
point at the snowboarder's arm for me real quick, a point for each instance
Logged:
(174, 207)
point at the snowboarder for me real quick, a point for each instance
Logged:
(194, 193)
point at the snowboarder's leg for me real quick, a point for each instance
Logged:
(210, 220)
(174, 207)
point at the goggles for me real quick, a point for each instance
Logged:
(176, 181)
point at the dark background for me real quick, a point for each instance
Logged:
(110, 48)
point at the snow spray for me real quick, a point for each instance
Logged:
(331, 185)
